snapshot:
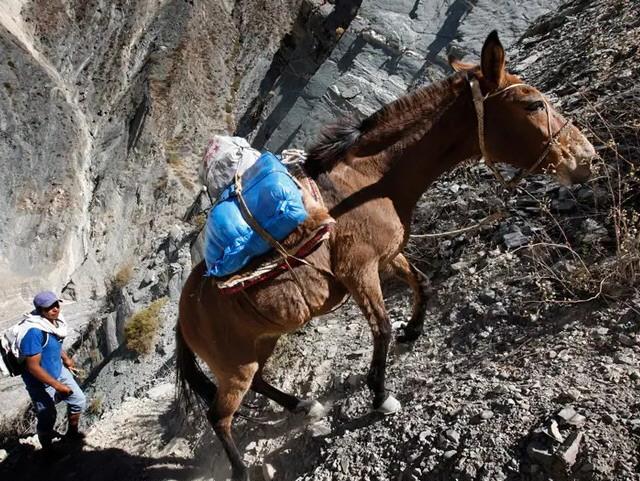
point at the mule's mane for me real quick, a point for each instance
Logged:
(397, 124)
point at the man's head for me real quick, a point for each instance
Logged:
(47, 304)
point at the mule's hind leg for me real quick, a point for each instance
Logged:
(364, 286)
(401, 268)
(231, 390)
(311, 408)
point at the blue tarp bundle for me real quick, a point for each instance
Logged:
(275, 201)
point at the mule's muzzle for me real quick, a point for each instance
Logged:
(581, 173)
(573, 174)
(575, 167)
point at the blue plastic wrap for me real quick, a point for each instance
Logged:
(275, 201)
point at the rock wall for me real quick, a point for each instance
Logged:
(104, 109)
(388, 48)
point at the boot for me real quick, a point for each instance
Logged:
(73, 432)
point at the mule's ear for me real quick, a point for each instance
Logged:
(493, 61)
(458, 65)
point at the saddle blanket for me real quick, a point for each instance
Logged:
(274, 265)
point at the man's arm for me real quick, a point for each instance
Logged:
(67, 361)
(32, 364)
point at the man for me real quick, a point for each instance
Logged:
(46, 369)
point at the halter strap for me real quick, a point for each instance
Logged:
(478, 102)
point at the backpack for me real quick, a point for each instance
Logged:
(10, 364)
(223, 157)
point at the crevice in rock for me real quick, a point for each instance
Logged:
(455, 15)
(293, 66)
(136, 124)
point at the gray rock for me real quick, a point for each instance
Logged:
(593, 232)
(564, 205)
(515, 239)
(635, 425)
(568, 415)
(486, 414)
(452, 435)
(268, 472)
(626, 340)
(320, 428)
(487, 296)
(554, 432)
(621, 358)
(450, 453)
(483, 415)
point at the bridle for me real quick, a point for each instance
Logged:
(478, 102)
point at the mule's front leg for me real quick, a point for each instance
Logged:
(366, 291)
(401, 268)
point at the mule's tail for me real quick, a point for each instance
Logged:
(190, 379)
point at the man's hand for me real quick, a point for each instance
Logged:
(33, 366)
(63, 390)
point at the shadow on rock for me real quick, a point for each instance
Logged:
(82, 462)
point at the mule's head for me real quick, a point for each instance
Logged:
(521, 127)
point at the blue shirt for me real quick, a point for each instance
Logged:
(49, 347)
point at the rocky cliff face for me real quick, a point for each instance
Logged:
(388, 48)
(105, 109)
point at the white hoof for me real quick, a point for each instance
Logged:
(389, 406)
(312, 409)
(268, 472)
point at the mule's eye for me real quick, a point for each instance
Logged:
(533, 106)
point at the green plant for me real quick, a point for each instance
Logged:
(140, 329)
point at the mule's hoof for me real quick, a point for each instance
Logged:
(390, 406)
(312, 409)
(268, 472)
(409, 335)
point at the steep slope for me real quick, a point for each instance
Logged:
(105, 109)
(518, 333)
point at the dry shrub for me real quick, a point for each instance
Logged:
(123, 276)
(178, 153)
(610, 269)
(199, 221)
(95, 406)
(141, 328)
(12, 428)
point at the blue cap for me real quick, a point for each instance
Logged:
(45, 299)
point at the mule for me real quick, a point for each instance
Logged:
(371, 175)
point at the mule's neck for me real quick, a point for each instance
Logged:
(404, 171)
(451, 141)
